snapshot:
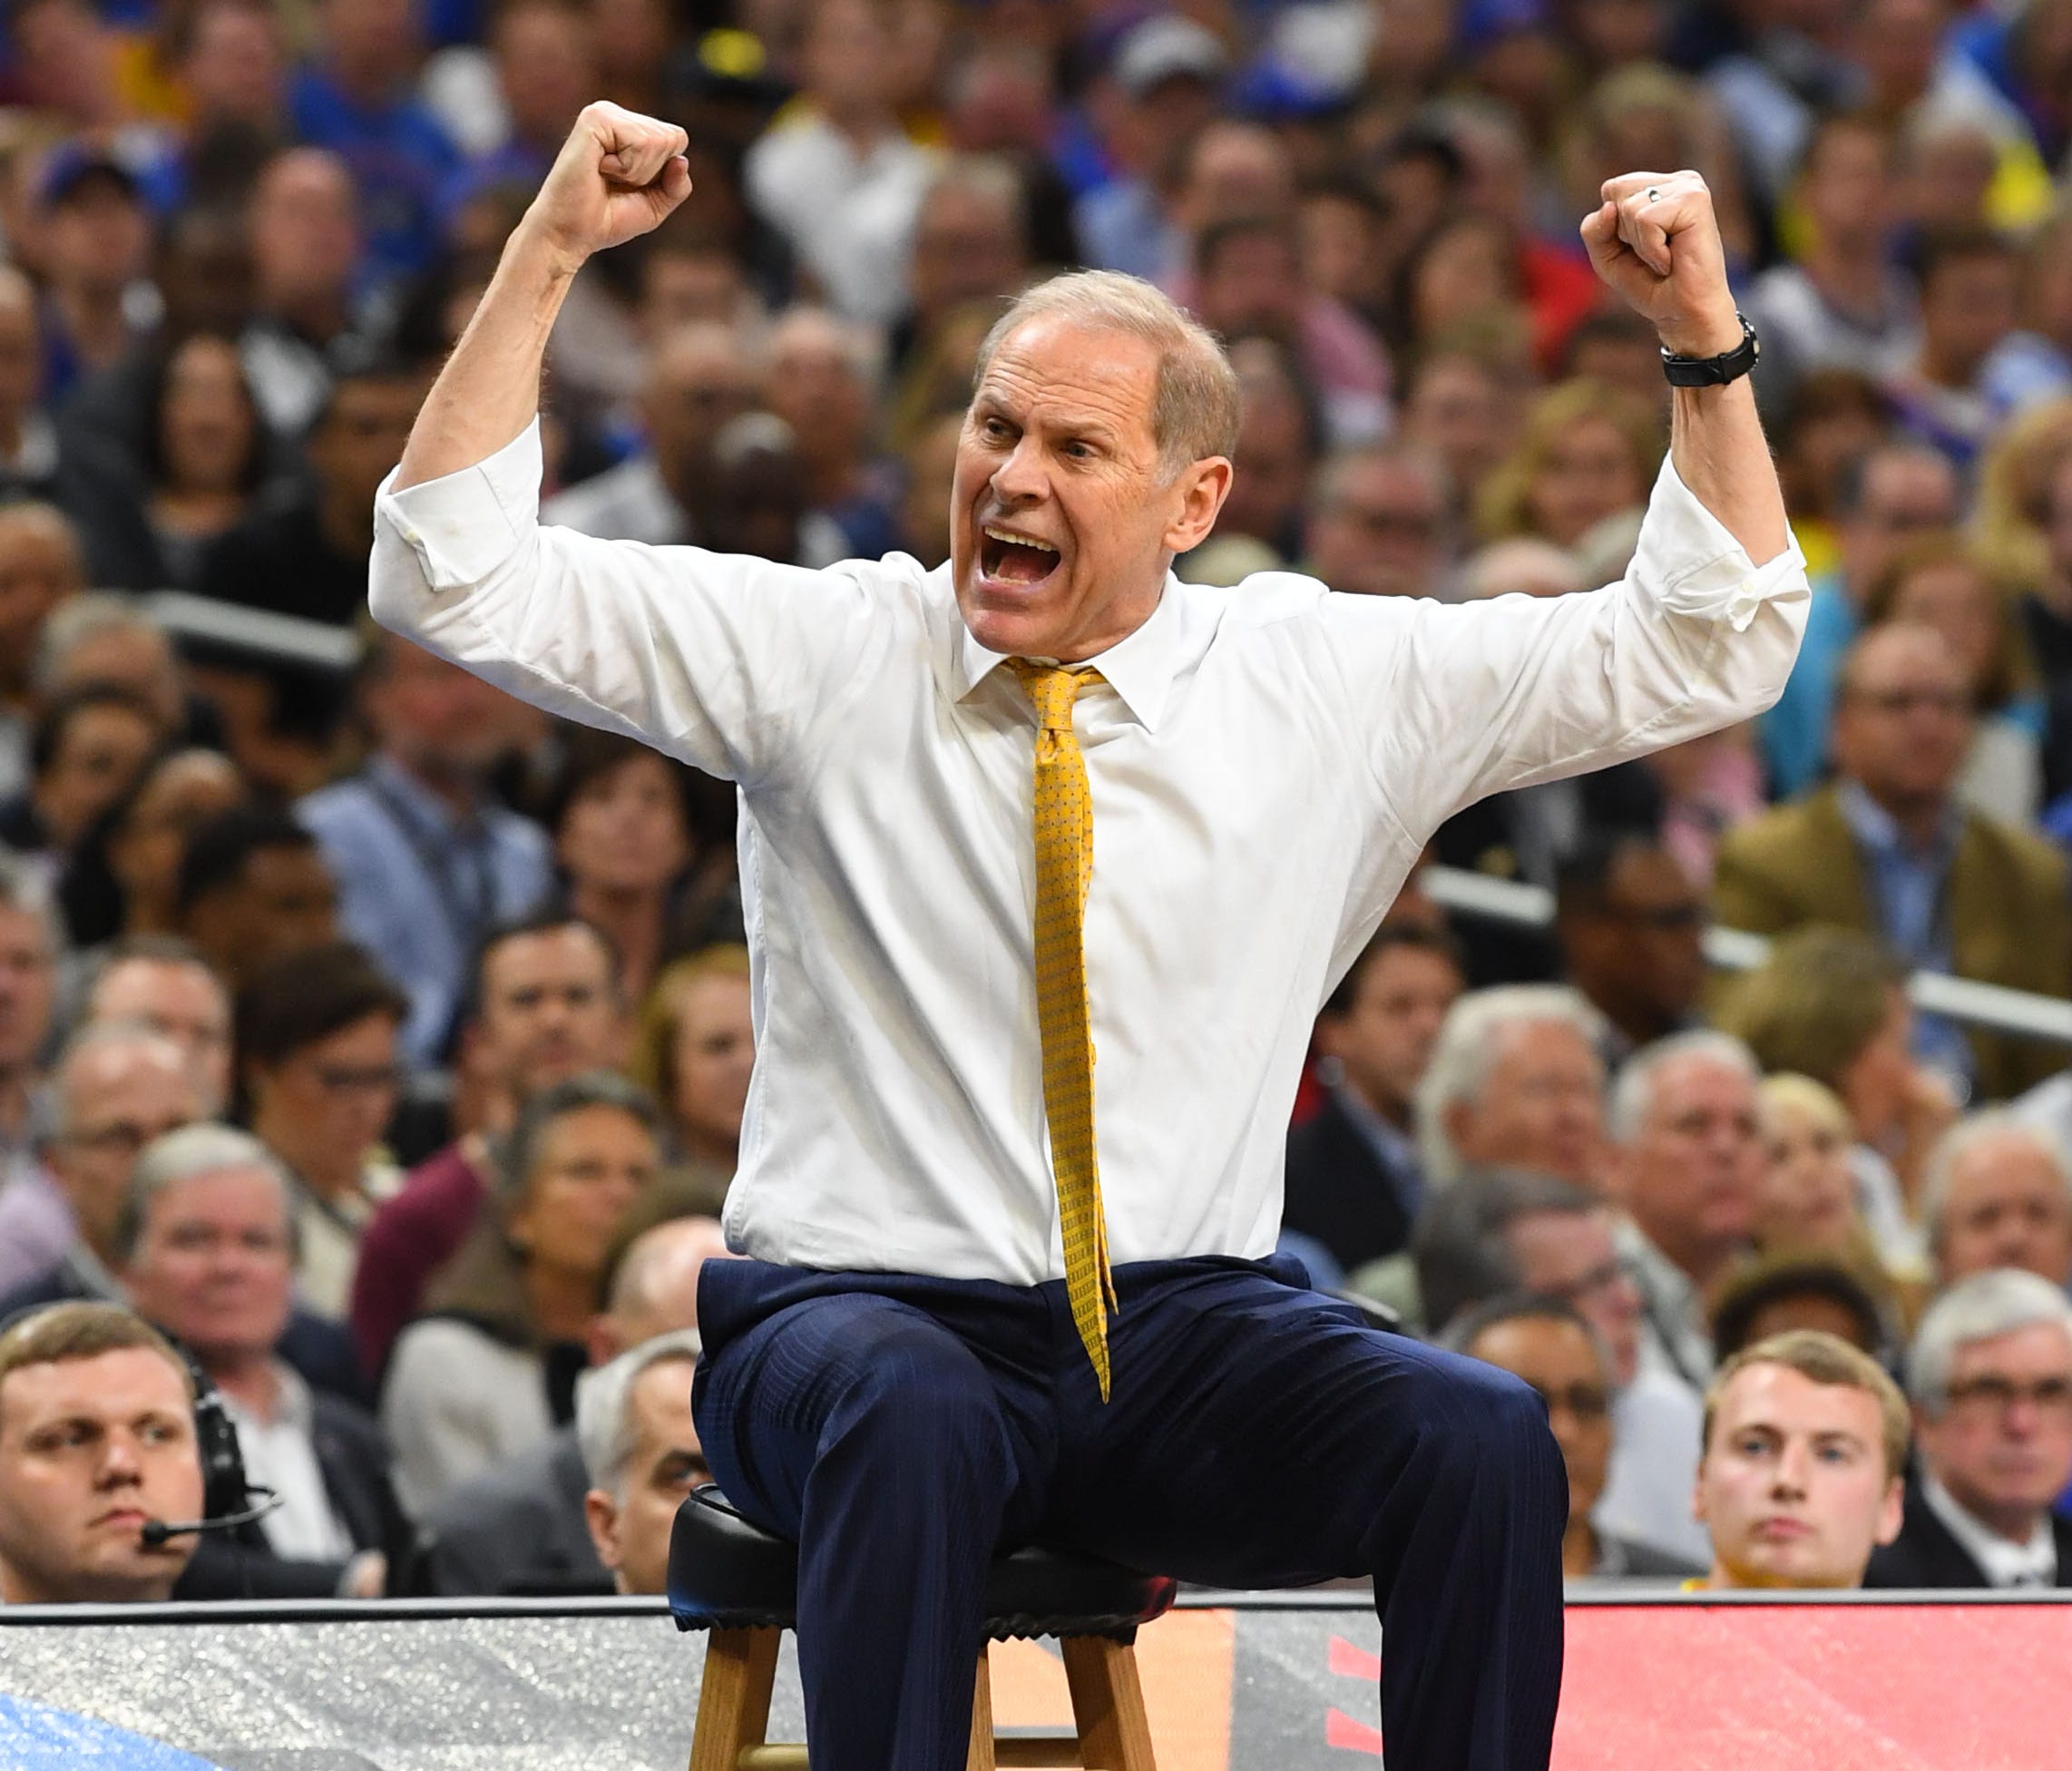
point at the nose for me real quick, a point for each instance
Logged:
(1021, 479)
(1789, 1481)
(121, 1466)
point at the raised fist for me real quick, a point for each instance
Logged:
(617, 175)
(1655, 241)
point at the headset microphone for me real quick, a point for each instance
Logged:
(156, 1531)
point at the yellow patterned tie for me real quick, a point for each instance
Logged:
(1064, 864)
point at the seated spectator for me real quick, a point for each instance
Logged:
(1939, 582)
(99, 638)
(40, 567)
(30, 942)
(1997, 1193)
(491, 1368)
(822, 382)
(253, 885)
(1515, 1081)
(1279, 441)
(125, 871)
(116, 1089)
(95, 237)
(520, 1526)
(1884, 848)
(1833, 421)
(1505, 1230)
(1777, 1294)
(1545, 1342)
(757, 499)
(305, 551)
(1589, 453)
(1688, 1165)
(1353, 1179)
(1830, 1005)
(695, 1051)
(206, 1243)
(971, 243)
(427, 861)
(158, 980)
(1990, 1375)
(698, 379)
(1458, 405)
(541, 1009)
(1806, 1439)
(316, 1034)
(1971, 300)
(96, 1438)
(619, 814)
(88, 746)
(310, 312)
(1377, 523)
(640, 1452)
(1630, 926)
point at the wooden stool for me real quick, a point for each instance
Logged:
(738, 1581)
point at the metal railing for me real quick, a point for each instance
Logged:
(1973, 1004)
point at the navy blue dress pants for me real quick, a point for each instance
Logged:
(902, 1430)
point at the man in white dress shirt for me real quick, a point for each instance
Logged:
(943, 1338)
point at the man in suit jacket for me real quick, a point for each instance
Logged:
(1990, 1375)
(1888, 850)
(1353, 1177)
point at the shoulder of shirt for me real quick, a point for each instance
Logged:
(1262, 598)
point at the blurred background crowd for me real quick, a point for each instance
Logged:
(386, 1043)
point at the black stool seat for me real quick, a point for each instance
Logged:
(726, 1573)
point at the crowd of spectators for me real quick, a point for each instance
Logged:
(374, 1049)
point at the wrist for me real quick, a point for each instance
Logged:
(534, 248)
(1708, 335)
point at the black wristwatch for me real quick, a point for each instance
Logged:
(1715, 371)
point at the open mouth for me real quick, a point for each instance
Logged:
(1010, 558)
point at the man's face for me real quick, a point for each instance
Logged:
(1272, 465)
(99, 236)
(183, 1003)
(1904, 494)
(1903, 719)
(1692, 1174)
(1640, 950)
(549, 1011)
(1379, 535)
(712, 1059)
(1558, 1359)
(1385, 1041)
(1542, 1107)
(28, 985)
(234, 66)
(214, 1267)
(1457, 411)
(335, 1095)
(967, 247)
(116, 1098)
(434, 716)
(97, 756)
(546, 65)
(2006, 1206)
(39, 568)
(361, 438)
(1793, 1484)
(91, 1449)
(700, 378)
(1058, 463)
(592, 1164)
(1967, 307)
(1570, 1255)
(1252, 285)
(283, 901)
(631, 1531)
(2003, 1444)
(815, 388)
(1848, 185)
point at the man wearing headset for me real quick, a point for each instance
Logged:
(97, 1439)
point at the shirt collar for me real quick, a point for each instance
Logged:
(1878, 830)
(1139, 666)
(418, 802)
(2005, 1564)
(293, 1406)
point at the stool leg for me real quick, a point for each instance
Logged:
(734, 1701)
(981, 1756)
(1108, 1703)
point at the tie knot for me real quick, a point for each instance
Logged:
(1053, 688)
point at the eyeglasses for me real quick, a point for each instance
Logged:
(1586, 1401)
(1598, 1278)
(1995, 1395)
(119, 1137)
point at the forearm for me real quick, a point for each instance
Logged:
(1716, 443)
(489, 390)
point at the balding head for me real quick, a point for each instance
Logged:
(655, 1288)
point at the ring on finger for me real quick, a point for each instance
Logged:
(1653, 193)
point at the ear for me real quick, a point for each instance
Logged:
(602, 1341)
(1698, 1496)
(1892, 1511)
(1198, 494)
(601, 1514)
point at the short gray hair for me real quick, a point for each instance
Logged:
(186, 1155)
(1633, 1094)
(604, 1406)
(105, 1035)
(78, 619)
(1980, 1308)
(1466, 1052)
(1961, 1139)
(1196, 409)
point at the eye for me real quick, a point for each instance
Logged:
(994, 428)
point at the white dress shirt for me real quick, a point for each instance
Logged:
(1265, 764)
(2003, 1561)
(280, 1455)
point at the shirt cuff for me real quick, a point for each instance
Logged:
(463, 526)
(1691, 565)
